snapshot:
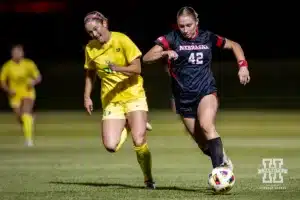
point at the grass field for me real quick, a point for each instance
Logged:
(70, 162)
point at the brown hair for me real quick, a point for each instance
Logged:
(95, 15)
(188, 11)
(17, 46)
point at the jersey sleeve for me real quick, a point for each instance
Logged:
(217, 41)
(131, 51)
(34, 71)
(165, 41)
(3, 73)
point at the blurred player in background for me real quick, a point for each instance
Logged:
(116, 60)
(18, 78)
(189, 51)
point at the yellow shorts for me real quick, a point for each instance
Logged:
(119, 110)
(16, 101)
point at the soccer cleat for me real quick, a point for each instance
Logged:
(227, 162)
(209, 176)
(150, 185)
(29, 143)
(148, 126)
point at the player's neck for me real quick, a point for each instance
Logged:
(195, 34)
(17, 60)
(108, 36)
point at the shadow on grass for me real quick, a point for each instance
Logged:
(121, 186)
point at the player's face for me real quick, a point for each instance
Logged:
(97, 30)
(187, 25)
(17, 53)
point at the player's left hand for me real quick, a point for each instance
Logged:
(112, 66)
(244, 75)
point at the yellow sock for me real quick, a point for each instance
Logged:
(27, 126)
(122, 139)
(144, 158)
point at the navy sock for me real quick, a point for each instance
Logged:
(205, 150)
(215, 147)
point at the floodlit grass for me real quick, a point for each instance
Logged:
(70, 162)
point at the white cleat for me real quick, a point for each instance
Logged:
(29, 143)
(148, 126)
(227, 161)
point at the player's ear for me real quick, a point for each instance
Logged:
(105, 23)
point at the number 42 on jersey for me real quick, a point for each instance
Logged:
(196, 58)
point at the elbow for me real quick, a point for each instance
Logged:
(2, 84)
(235, 45)
(146, 59)
(136, 71)
(39, 79)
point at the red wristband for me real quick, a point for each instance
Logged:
(243, 63)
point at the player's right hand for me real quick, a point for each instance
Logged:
(172, 55)
(88, 104)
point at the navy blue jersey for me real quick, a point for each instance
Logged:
(191, 73)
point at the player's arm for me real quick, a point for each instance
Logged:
(237, 50)
(134, 67)
(36, 75)
(3, 79)
(90, 76)
(132, 55)
(225, 43)
(239, 55)
(159, 50)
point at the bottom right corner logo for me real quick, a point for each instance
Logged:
(272, 171)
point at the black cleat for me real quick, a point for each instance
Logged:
(150, 185)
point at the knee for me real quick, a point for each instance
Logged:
(207, 127)
(111, 149)
(139, 138)
(110, 146)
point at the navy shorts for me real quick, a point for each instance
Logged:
(188, 109)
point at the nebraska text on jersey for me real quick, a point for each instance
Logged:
(192, 47)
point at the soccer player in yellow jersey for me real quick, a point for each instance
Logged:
(18, 78)
(116, 60)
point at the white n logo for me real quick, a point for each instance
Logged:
(272, 170)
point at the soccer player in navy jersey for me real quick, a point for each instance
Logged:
(189, 51)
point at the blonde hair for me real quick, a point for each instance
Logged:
(188, 11)
(95, 15)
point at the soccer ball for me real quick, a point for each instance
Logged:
(221, 180)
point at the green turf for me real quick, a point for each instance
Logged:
(69, 161)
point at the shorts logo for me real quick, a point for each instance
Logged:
(118, 49)
(106, 112)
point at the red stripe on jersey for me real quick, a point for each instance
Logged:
(220, 41)
(164, 42)
(166, 47)
(170, 69)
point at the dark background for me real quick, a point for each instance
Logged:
(54, 37)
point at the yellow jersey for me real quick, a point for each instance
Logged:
(19, 75)
(115, 86)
